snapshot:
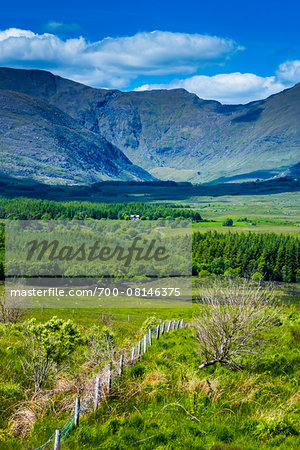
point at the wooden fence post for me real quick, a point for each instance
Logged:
(139, 349)
(109, 376)
(73, 312)
(128, 318)
(169, 326)
(121, 365)
(173, 325)
(181, 323)
(102, 315)
(97, 393)
(177, 325)
(132, 355)
(163, 328)
(157, 332)
(150, 336)
(145, 343)
(42, 309)
(77, 411)
(57, 440)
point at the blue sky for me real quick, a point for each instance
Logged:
(232, 51)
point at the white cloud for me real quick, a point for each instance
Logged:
(113, 62)
(232, 88)
(289, 71)
(15, 33)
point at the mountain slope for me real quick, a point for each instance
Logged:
(293, 171)
(39, 141)
(174, 134)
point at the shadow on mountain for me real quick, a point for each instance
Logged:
(250, 176)
(117, 191)
(251, 116)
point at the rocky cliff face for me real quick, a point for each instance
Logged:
(41, 142)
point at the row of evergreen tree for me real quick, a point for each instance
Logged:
(269, 256)
(34, 209)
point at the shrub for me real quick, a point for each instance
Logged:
(150, 322)
(101, 345)
(11, 311)
(227, 223)
(47, 346)
(231, 321)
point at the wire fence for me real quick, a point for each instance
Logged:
(127, 317)
(91, 399)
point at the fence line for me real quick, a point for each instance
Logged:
(93, 396)
(103, 315)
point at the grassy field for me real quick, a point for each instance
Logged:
(261, 226)
(165, 400)
(277, 212)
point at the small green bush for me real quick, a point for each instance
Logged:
(227, 222)
(150, 322)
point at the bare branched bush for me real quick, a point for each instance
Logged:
(232, 320)
(100, 346)
(37, 366)
(11, 310)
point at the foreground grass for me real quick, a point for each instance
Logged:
(165, 401)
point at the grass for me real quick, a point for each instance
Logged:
(165, 401)
(261, 226)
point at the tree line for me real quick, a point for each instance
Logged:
(267, 256)
(35, 209)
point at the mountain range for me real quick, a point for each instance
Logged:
(59, 131)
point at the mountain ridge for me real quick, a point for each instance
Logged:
(40, 141)
(174, 134)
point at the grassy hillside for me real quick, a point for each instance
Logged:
(166, 402)
(163, 401)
